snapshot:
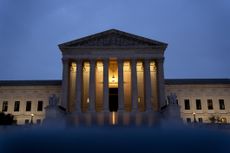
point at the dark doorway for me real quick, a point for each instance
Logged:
(113, 99)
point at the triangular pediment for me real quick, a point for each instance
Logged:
(113, 38)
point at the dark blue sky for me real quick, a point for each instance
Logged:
(197, 32)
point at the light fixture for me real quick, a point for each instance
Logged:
(139, 99)
(87, 100)
(113, 69)
(113, 78)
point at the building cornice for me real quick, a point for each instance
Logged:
(30, 82)
(167, 82)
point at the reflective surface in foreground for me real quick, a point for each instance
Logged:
(156, 137)
(113, 118)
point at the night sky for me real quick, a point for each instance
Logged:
(197, 31)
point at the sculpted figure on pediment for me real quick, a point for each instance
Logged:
(112, 40)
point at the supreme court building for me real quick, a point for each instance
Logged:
(115, 71)
(111, 71)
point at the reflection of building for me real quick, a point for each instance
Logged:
(116, 71)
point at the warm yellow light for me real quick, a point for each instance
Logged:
(113, 118)
(87, 100)
(113, 74)
(139, 99)
(73, 67)
(194, 113)
(113, 78)
(32, 115)
(223, 120)
(153, 66)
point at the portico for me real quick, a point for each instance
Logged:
(113, 71)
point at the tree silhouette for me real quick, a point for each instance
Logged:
(6, 119)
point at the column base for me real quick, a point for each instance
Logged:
(120, 119)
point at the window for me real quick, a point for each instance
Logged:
(200, 120)
(188, 120)
(186, 104)
(40, 106)
(27, 121)
(221, 104)
(28, 106)
(5, 106)
(210, 104)
(16, 106)
(198, 104)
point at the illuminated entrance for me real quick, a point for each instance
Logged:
(113, 86)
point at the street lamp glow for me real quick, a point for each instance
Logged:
(194, 116)
(31, 121)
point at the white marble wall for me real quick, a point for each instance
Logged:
(202, 92)
(27, 93)
(191, 92)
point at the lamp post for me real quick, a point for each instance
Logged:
(194, 117)
(31, 121)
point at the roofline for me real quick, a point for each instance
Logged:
(30, 82)
(113, 47)
(196, 81)
(65, 44)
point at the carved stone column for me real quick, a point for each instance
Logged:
(161, 83)
(147, 85)
(106, 85)
(92, 85)
(120, 85)
(134, 92)
(65, 83)
(79, 85)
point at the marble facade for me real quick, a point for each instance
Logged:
(113, 59)
(116, 71)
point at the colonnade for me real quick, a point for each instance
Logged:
(148, 91)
